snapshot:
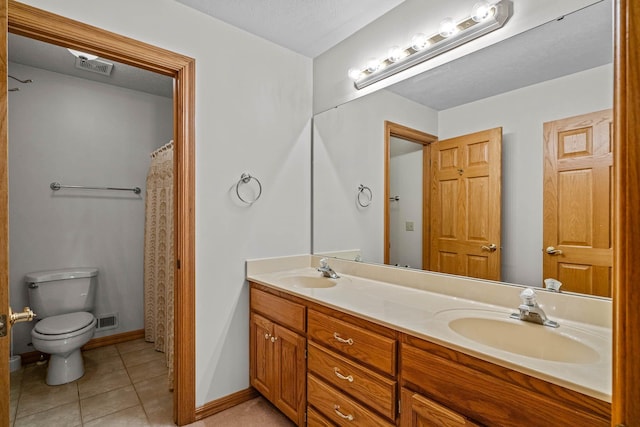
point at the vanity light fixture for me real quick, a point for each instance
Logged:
(484, 18)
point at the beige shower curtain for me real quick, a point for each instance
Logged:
(158, 255)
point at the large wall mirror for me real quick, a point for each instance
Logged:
(372, 190)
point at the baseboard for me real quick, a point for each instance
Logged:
(35, 356)
(113, 339)
(226, 402)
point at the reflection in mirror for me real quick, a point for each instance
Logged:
(556, 71)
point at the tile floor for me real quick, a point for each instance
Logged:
(123, 385)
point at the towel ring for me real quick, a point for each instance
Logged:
(245, 178)
(362, 192)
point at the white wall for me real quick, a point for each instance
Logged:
(332, 86)
(521, 113)
(348, 150)
(253, 109)
(80, 132)
(405, 181)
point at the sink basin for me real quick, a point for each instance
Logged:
(311, 282)
(526, 339)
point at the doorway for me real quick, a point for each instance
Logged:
(395, 137)
(37, 24)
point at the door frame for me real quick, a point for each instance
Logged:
(41, 25)
(626, 271)
(392, 129)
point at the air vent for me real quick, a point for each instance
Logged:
(107, 321)
(94, 65)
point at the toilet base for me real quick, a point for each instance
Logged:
(64, 369)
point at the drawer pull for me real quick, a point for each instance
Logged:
(342, 377)
(336, 408)
(342, 340)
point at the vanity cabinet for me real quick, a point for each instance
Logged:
(358, 373)
(277, 353)
(465, 390)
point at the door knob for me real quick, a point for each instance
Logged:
(491, 248)
(553, 251)
(27, 315)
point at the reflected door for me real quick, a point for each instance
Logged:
(465, 205)
(578, 168)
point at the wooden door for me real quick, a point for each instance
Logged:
(261, 355)
(290, 373)
(578, 204)
(419, 411)
(466, 205)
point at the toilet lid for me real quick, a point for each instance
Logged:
(64, 323)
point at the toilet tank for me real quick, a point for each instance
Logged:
(56, 292)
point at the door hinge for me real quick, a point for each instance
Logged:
(3, 325)
(399, 406)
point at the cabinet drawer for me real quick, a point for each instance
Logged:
(365, 385)
(487, 398)
(278, 309)
(338, 408)
(373, 349)
(314, 419)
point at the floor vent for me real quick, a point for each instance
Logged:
(107, 321)
(95, 66)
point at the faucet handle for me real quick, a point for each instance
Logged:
(528, 297)
(324, 263)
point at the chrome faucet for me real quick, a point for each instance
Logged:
(326, 270)
(530, 311)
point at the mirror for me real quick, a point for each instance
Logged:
(558, 70)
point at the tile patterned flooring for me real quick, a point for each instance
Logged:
(123, 385)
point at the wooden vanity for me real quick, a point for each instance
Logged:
(324, 367)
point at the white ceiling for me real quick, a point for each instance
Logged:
(308, 27)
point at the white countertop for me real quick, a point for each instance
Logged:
(426, 315)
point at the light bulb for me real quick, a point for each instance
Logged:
(396, 53)
(82, 55)
(448, 27)
(372, 65)
(354, 73)
(481, 11)
(419, 41)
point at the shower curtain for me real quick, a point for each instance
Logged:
(158, 254)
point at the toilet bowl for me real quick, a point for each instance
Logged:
(62, 337)
(63, 301)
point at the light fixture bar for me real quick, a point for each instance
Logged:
(466, 30)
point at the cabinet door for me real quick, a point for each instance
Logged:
(261, 355)
(289, 353)
(418, 411)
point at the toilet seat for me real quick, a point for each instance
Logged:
(64, 326)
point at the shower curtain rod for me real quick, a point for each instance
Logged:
(55, 186)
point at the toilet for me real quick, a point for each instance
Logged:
(63, 301)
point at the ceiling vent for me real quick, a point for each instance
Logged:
(94, 65)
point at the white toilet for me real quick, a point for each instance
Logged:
(63, 301)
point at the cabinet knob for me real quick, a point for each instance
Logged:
(267, 336)
(342, 340)
(336, 408)
(342, 377)
(274, 339)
